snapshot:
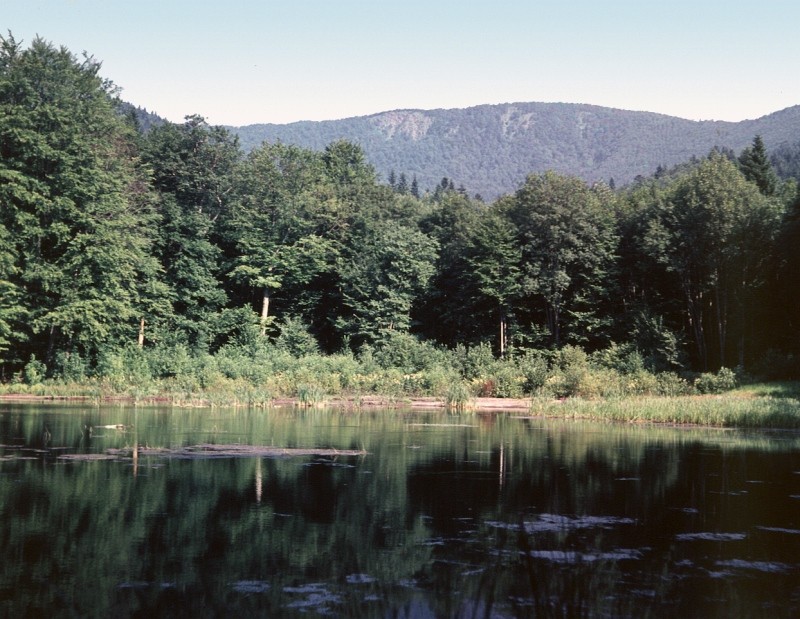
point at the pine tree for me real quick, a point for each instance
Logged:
(756, 167)
(402, 184)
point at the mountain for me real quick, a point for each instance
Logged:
(490, 149)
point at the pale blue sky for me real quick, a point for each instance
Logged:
(239, 62)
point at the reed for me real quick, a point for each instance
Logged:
(729, 410)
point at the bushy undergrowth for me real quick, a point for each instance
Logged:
(256, 372)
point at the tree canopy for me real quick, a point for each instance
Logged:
(113, 239)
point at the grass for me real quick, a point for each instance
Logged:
(740, 409)
(777, 389)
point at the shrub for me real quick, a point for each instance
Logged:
(408, 354)
(295, 338)
(35, 371)
(670, 384)
(533, 368)
(571, 367)
(723, 380)
(473, 361)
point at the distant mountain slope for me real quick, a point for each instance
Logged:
(490, 149)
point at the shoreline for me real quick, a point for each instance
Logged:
(419, 403)
(736, 409)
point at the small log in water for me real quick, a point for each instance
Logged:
(216, 451)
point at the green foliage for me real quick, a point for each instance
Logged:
(380, 278)
(35, 371)
(567, 240)
(142, 262)
(75, 202)
(756, 167)
(720, 381)
(12, 309)
(192, 167)
(295, 338)
(406, 353)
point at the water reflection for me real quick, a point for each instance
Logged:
(446, 516)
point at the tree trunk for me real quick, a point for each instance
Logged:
(695, 315)
(264, 310)
(502, 333)
(141, 333)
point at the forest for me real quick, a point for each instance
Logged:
(128, 256)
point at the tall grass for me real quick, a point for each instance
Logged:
(723, 411)
(612, 384)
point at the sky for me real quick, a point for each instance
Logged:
(240, 62)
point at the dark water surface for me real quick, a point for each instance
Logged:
(445, 516)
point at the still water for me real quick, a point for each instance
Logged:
(437, 515)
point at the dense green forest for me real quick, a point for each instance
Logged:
(123, 249)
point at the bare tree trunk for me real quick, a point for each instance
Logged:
(141, 333)
(502, 333)
(264, 310)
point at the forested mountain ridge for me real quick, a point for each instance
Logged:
(490, 149)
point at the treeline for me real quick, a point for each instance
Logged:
(114, 240)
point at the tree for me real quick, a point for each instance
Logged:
(76, 205)
(381, 276)
(567, 241)
(452, 309)
(756, 167)
(712, 234)
(192, 167)
(402, 184)
(494, 256)
(280, 224)
(788, 278)
(12, 310)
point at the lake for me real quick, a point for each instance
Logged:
(292, 512)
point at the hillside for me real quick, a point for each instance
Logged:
(491, 148)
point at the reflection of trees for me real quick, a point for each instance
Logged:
(444, 520)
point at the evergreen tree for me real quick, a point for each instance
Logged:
(402, 184)
(756, 167)
(415, 187)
